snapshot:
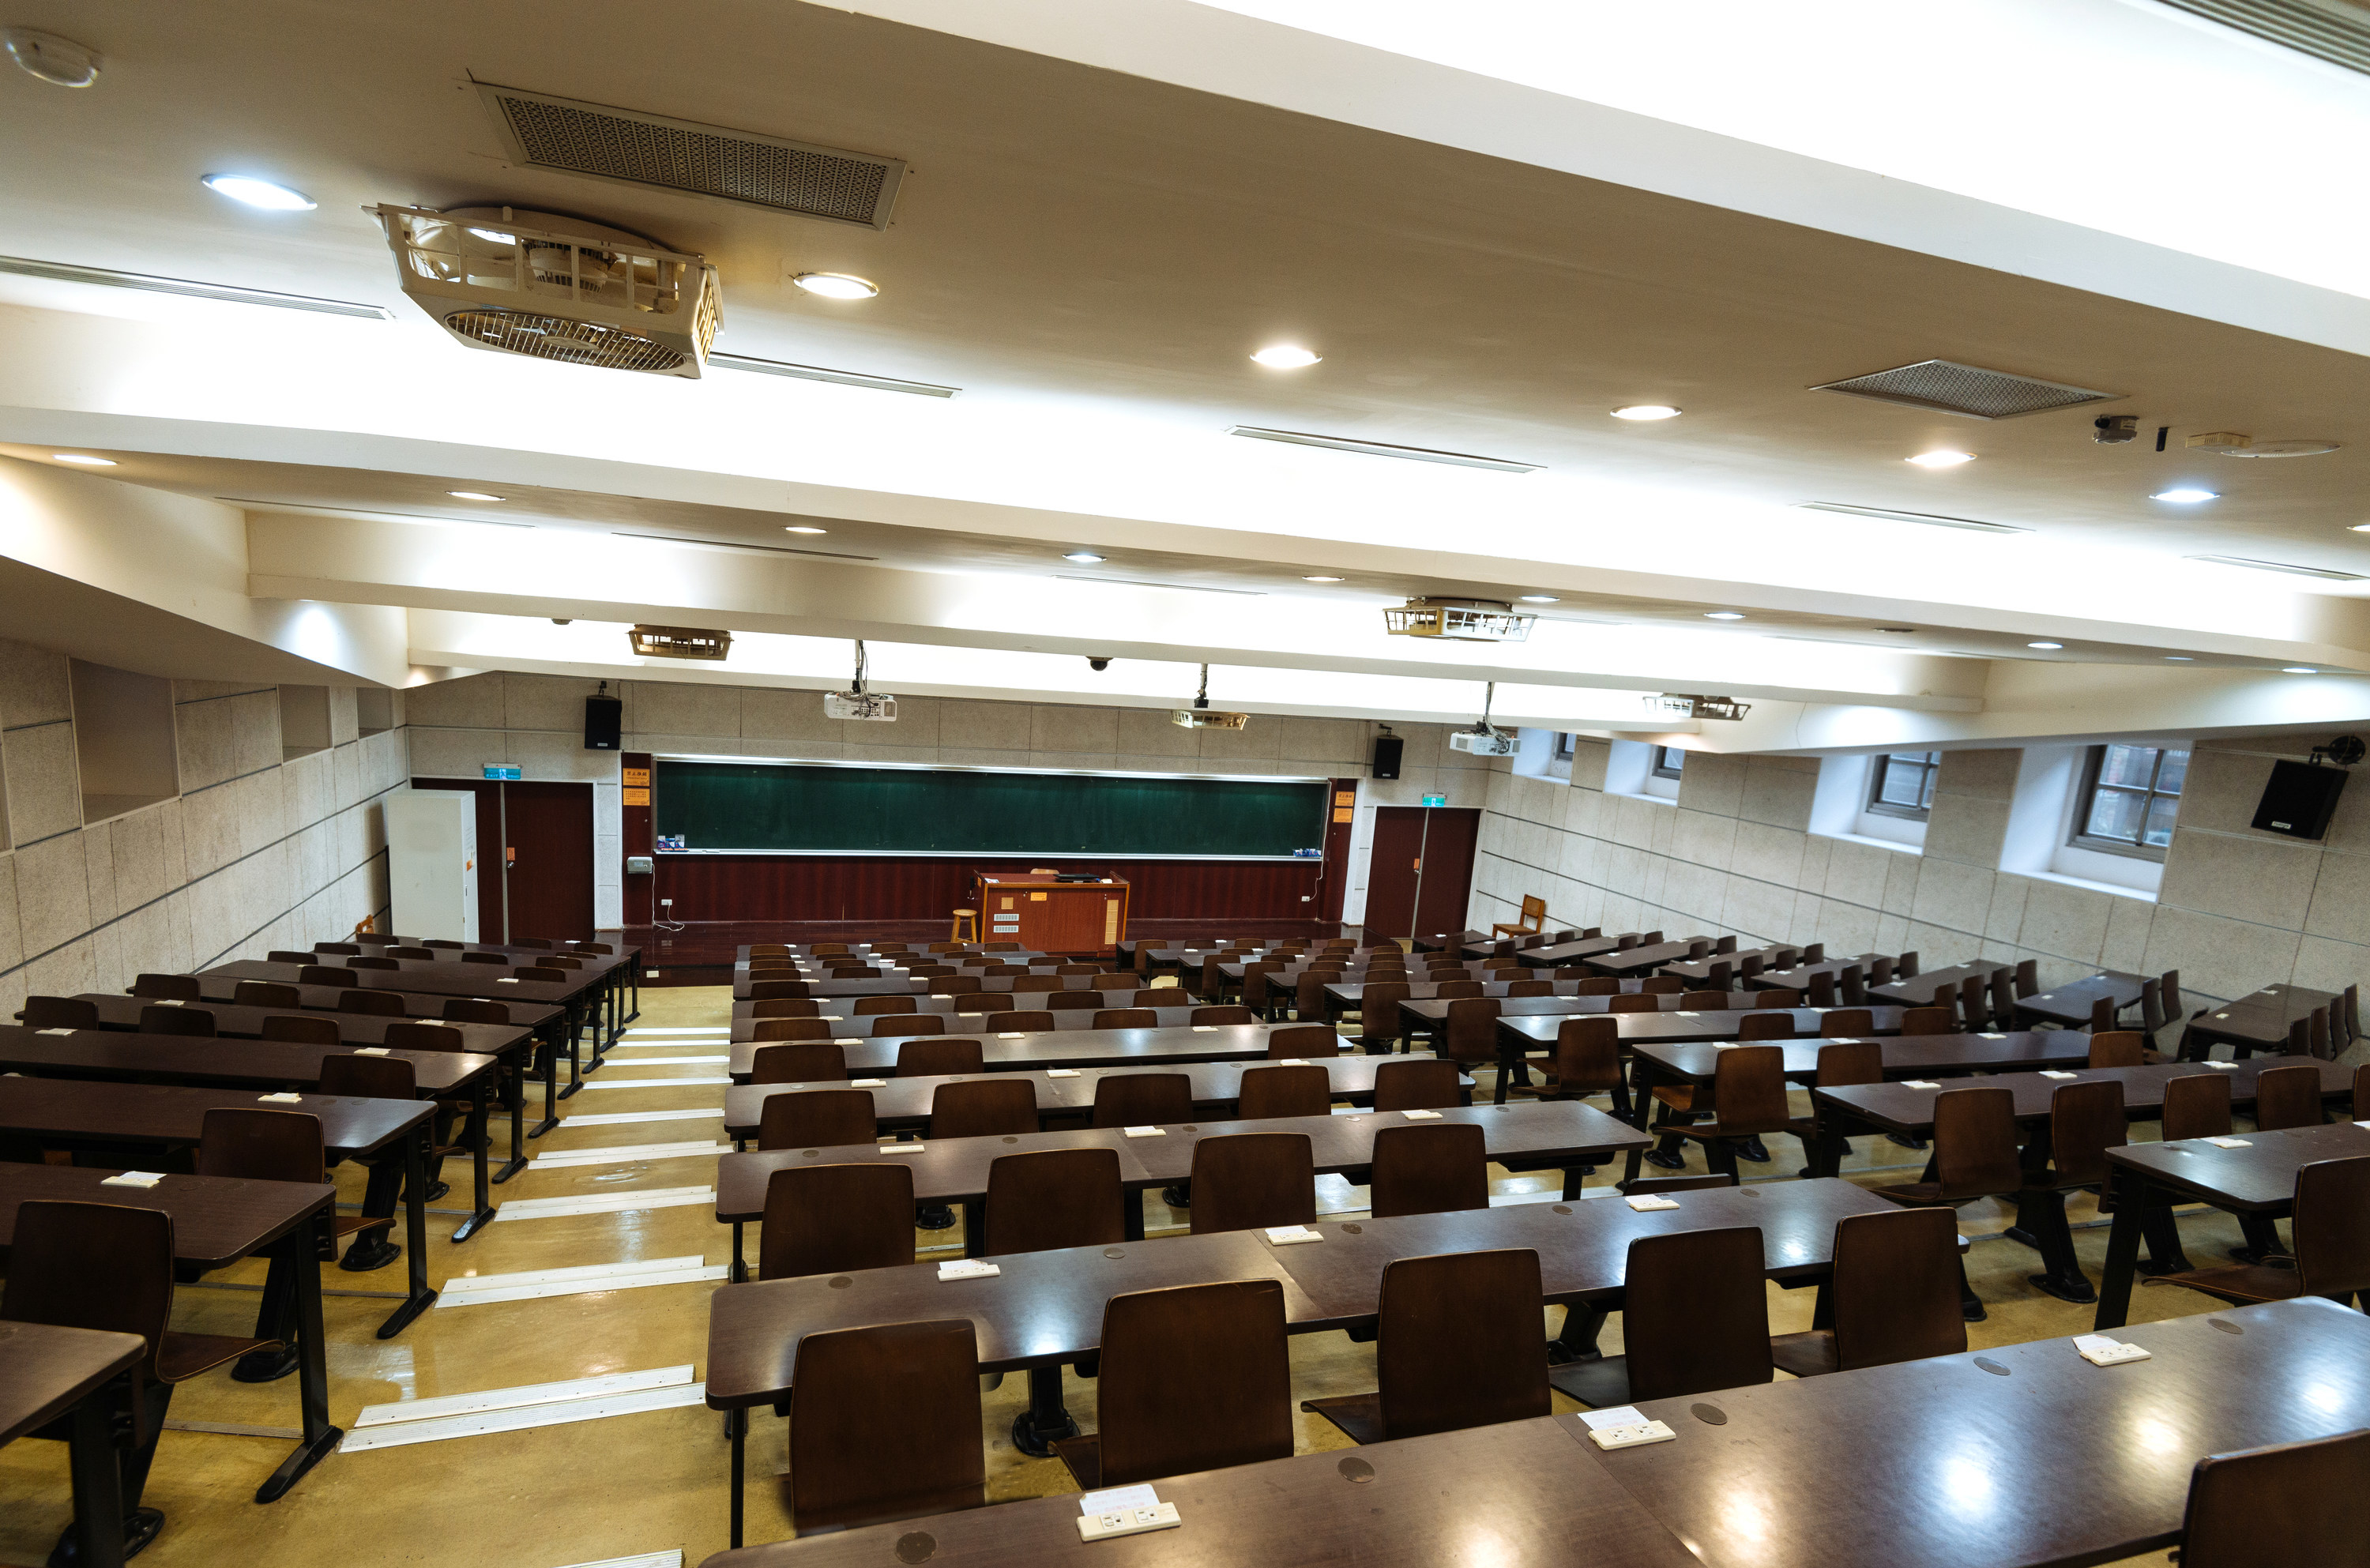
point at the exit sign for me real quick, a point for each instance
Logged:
(503, 770)
(1435, 799)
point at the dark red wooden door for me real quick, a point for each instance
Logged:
(1391, 871)
(1445, 886)
(1419, 876)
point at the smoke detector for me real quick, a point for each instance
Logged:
(60, 62)
(556, 288)
(1201, 716)
(879, 707)
(1460, 620)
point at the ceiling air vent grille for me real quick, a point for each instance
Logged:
(1968, 389)
(706, 160)
(2334, 31)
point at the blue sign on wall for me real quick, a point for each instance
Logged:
(1435, 799)
(503, 770)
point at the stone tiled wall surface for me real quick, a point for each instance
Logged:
(2238, 909)
(255, 853)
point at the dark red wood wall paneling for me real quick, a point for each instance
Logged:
(821, 887)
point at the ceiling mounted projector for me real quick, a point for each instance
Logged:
(1485, 739)
(556, 288)
(1460, 620)
(857, 703)
(1201, 716)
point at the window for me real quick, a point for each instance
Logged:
(1668, 760)
(1901, 784)
(1564, 738)
(2130, 796)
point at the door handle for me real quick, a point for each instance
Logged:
(1419, 865)
(509, 857)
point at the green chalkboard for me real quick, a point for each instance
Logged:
(792, 808)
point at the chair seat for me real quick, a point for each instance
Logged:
(1712, 1132)
(1360, 1416)
(2247, 1283)
(1600, 1384)
(182, 1356)
(1677, 1096)
(351, 1224)
(1083, 1457)
(1809, 1354)
(1919, 1194)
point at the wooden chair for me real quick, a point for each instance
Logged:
(1587, 1061)
(889, 1026)
(166, 989)
(1454, 1347)
(775, 990)
(276, 956)
(966, 928)
(1031, 1023)
(1065, 1001)
(817, 1118)
(1534, 916)
(1126, 1018)
(1302, 1041)
(1469, 1033)
(1269, 1092)
(814, 1060)
(1430, 1167)
(1052, 1198)
(1530, 988)
(939, 1058)
(2117, 1048)
(836, 1218)
(302, 1029)
(1249, 1181)
(1840, 1066)
(1194, 1377)
(1703, 1001)
(785, 1006)
(1004, 1105)
(1663, 985)
(265, 994)
(344, 949)
(59, 1012)
(381, 1004)
(2287, 1097)
(874, 1006)
(1748, 1102)
(493, 958)
(1927, 1021)
(1846, 1022)
(1143, 1099)
(1695, 1318)
(788, 1028)
(1974, 1001)
(1222, 1016)
(1458, 990)
(1778, 998)
(2086, 1120)
(1419, 1085)
(2286, 1502)
(2330, 1254)
(1821, 991)
(1895, 1296)
(885, 1426)
(1974, 1157)
(1760, 1025)
(194, 1021)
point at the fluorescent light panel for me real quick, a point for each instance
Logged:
(106, 277)
(2279, 566)
(839, 377)
(740, 545)
(1383, 449)
(1931, 520)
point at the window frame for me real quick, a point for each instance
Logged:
(1881, 764)
(2086, 798)
(1656, 767)
(1565, 745)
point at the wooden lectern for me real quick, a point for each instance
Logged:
(1045, 914)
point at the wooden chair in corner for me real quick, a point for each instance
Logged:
(1534, 919)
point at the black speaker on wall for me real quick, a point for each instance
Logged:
(2299, 799)
(604, 720)
(1386, 757)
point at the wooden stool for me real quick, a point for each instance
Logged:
(966, 926)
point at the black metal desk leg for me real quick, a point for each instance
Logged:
(2123, 1250)
(98, 1482)
(1035, 1429)
(740, 1267)
(297, 1249)
(481, 1137)
(550, 1055)
(513, 1088)
(737, 1422)
(415, 1230)
(575, 1058)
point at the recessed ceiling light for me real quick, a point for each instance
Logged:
(2298, 670)
(259, 193)
(1286, 356)
(837, 285)
(2047, 647)
(1646, 411)
(1321, 580)
(474, 495)
(85, 461)
(1083, 557)
(1541, 599)
(2186, 495)
(2360, 527)
(1942, 459)
(1723, 615)
(2181, 658)
(802, 528)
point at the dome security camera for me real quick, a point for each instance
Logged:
(1098, 666)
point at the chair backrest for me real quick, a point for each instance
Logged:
(891, 1025)
(938, 1058)
(411, 1035)
(1471, 1034)
(59, 1012)
(1598, 985)
(1927, 1021)
(1454, 990)
(885, 1426)
(2196, 1105)
(818, 950)
(1663, 985)
(265, 994)
(474, 1010)
(1418, 1085)
(1896, 1287)
(380, 1004)
(1907, 965)
(803, 1061)
(816, 1118)
(367, 1078)
(1035, 1022)
(788, 1028)
(1431, 1168)
(253, 1143)
(771, 990)
(1587, 1055)
(2028, 978)
(2331, 1228)
(871, 1007)
(1974, 1005)
(384, 965)
(1268, 1092)
(1003, 1106)
(195, 1021)
(497, 959)
(78, 1265)
(2117, 1048)
(1456, 1341)
(1778, 998)
(1126, 1018)
(321, 975)
(1220, 1015)
(168, 988)
(1848, 1023)
(2003, 1000)
(302, 1029)
(1194, 1377)
(1143, 1099)
(1879, 969)
(1822, 989)
(1050, 1198)
(1700, 1001)
(2102, 1015)
(1974, 1142)
(1245, 1180)
(2151, 1006)
(1749, 1089)
(1751, 965)
(2287, 1097)
(279, 956)
(1633, 1002)
(1694, 1316)
(1861, 1061)
(833, 1218)
(1067, 1001)
(2086, 1120)
(1303, 1040)
(2278, 1503)
(1758, 1025)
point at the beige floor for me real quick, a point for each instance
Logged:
(652, 1481)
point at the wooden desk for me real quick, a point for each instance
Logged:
(1639, 960)
(1524, 1025)
(217, 1221)
(1050, 915)
(1700, 968)
(849, 1027)
(1145, 1048)
(2070, 1004)
(1917, 990)
(621, 969)
(100, 1120)
(1655, 1062)
(903, 1104)
(1897, 1108)
(1799, 977)
(2255, 1021)
(47, 1372)
(1557, 954)
(2259, 1178)
(1440, 941)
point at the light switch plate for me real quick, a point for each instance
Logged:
(1128, 1521)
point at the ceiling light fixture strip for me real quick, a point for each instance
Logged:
(1384, 449)
(739, 545)
(1927, 519)
(838, 378)
(2279, 566)
(103, 277)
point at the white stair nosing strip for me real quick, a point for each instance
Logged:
(619, 1118)
(523, 1418)
(561, 1159)
(662, 1061)
(694, 1273)
(700, 1028)
(583, 1270)
(603, 1203)
(692, 1081)
(401, 1410)
(647, 1559)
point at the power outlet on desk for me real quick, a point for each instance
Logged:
(1128, 1521)
(1304, 898)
